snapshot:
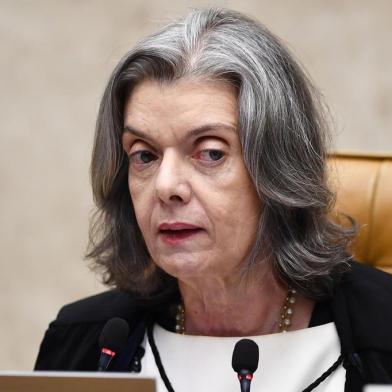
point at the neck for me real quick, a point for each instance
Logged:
(215, 307)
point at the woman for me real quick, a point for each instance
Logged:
(208, 172)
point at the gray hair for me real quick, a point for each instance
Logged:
(284, 138)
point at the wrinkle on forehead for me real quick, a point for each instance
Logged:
(183, 106)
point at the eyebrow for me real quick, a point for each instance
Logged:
(195, 132)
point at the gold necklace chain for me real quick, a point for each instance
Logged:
(284, 322)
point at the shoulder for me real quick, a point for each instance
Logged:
(98, 308)
(368, 285)
(362, 307)
(114, 303)
(362, 312)
(71, 341)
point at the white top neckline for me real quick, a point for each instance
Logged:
(288, 362)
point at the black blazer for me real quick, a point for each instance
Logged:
(361, 308)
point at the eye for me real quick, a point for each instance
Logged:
(210, 155)
(142, 157)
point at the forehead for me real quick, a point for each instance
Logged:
(181, 105)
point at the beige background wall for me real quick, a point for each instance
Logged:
(55, 59)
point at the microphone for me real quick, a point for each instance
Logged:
(113, 337)
(245, 361)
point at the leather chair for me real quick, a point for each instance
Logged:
(363, 184)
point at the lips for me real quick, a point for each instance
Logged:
(177, 226)
(174, 233)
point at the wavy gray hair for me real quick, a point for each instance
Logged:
(283, 134)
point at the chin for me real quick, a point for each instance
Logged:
(183, 268)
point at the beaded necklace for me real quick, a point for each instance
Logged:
(284, 322)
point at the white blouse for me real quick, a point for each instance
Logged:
(288, 362)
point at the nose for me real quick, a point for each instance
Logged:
(172, 180)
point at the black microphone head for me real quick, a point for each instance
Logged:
(245, 356)
(114, 334)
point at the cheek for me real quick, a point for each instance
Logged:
(237, 220)
(235, 210)
(141, 200)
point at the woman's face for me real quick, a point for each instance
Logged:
(195, 203)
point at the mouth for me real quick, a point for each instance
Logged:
(178, 232)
